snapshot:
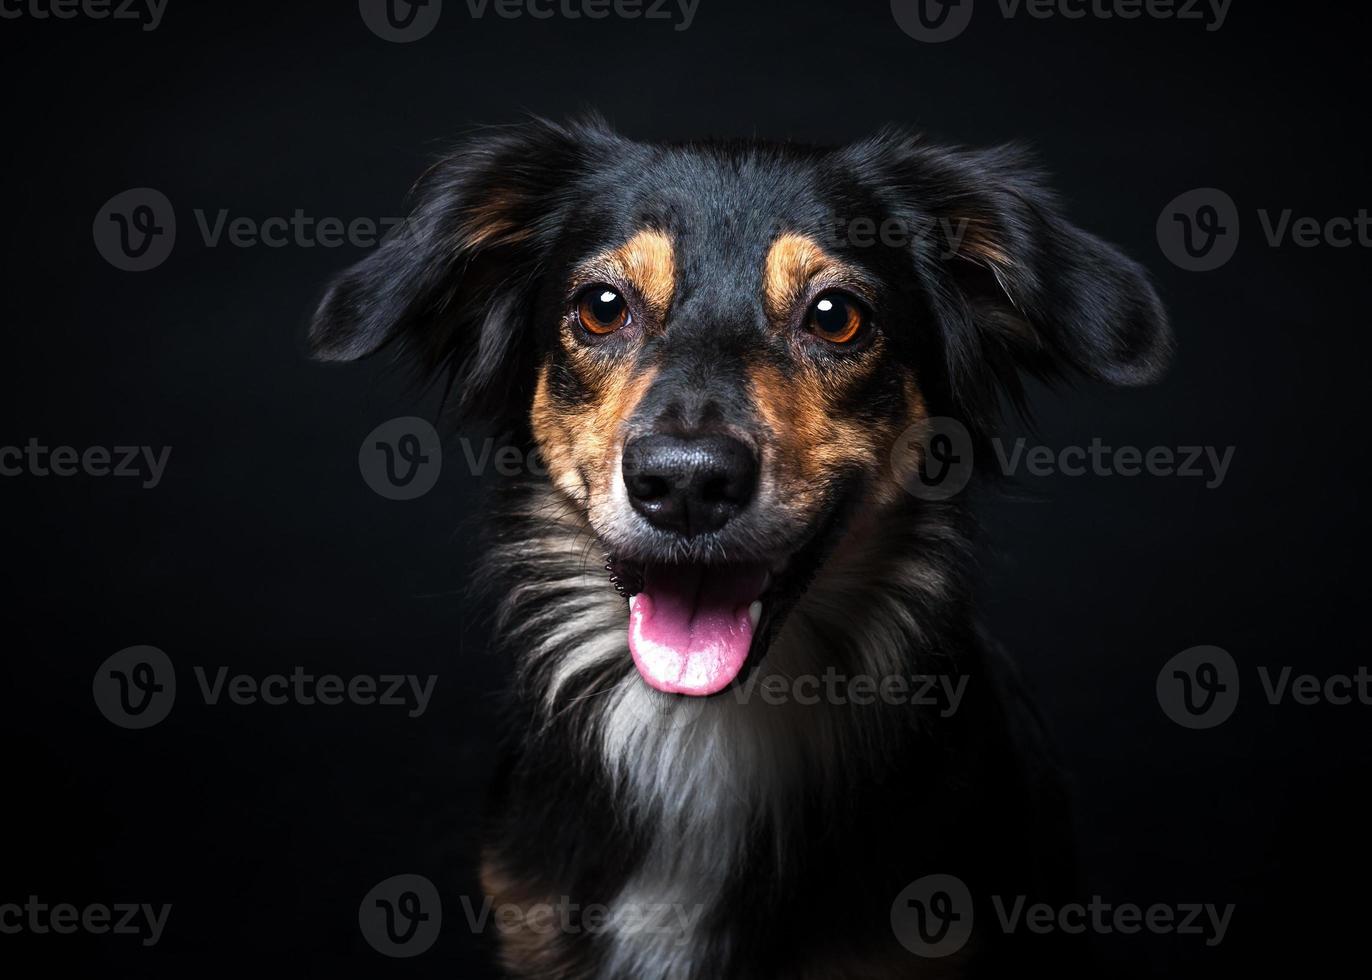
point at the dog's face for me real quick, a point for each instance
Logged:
(716, 347)
(716, 394)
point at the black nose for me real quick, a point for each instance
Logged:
(690, 485)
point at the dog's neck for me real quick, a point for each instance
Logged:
(701, 776)
(861, 617)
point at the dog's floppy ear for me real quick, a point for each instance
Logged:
(452, 286)
(1016, 285)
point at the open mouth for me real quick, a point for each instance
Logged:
(691, 627)
(694, 627)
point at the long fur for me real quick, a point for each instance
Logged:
(731, 836)
(709, 798)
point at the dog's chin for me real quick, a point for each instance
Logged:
(697, 627)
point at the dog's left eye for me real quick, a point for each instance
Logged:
(601, 310)
(837, 318)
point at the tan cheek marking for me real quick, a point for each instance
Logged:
(554, 439)
(812, 440)
(792, 262)
(579, 443)
(598, 430)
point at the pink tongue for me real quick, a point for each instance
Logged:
(689, 628)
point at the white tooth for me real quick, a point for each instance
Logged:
(755, 612)
(632, 599)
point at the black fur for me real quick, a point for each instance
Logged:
(974, 795)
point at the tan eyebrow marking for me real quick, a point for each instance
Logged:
(647, 261)
(794, 262)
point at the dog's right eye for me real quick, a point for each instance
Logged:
(602, 310)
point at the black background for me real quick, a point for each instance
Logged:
(263, 549)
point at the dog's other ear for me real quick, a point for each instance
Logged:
(452, 286)
(1017, 286)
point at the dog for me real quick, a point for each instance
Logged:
(720, 375)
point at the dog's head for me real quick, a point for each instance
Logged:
(716, 346)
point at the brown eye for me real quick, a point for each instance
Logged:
(602, 310)
(837, 318)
